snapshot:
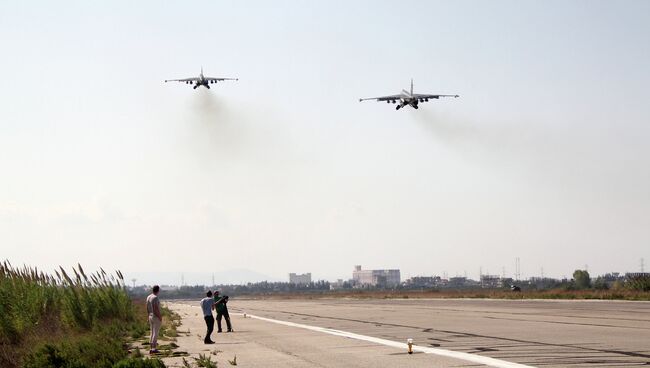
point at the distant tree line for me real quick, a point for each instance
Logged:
(261, 288)
(581, 281)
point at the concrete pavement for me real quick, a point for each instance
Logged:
(530, 332)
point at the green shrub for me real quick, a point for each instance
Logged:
(97, 351)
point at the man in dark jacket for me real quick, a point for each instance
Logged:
(222, 311)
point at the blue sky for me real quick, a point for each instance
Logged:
(543, 157)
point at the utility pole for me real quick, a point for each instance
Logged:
(133, 282)
(517, 269)
(641, 264)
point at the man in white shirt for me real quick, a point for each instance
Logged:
(207, 305)
(155, 318)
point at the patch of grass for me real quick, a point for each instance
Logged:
(140, 363)
(205, 361)
(97, 349)
(233, 361)
(171, 322)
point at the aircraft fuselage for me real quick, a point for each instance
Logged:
(408, 100)
(203, 82)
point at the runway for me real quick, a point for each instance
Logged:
(537, 333)
(528, 332)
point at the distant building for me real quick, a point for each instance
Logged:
(423, 282)
(637, 275)
(612, 277)
(379, 278)
(338, 284)
(457, 282)
(638, 280)
(540, 283)
(507, 281)
(491, 282)
(304, 279)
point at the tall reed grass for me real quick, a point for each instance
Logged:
(34, 304)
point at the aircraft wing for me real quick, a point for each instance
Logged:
(383, 98)
(418, 95)
(195, 79)
(211, 79)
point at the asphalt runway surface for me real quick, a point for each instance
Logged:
(270, 344)
(540, 333)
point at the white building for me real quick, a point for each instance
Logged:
(304, 279)
(491, 282)
(382, 278)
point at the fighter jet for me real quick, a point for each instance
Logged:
(407, 98)
(201, 80)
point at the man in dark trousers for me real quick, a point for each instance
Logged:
(207, 305)
(222, 311)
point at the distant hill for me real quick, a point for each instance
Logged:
(235, 276)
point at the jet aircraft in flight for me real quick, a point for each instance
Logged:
(201, 80)
(407, 98)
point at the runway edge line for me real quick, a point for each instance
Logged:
(491, 362)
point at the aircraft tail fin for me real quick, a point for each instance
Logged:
(411, 86)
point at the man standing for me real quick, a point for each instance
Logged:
(155, 318)
(207, 305)
(222, 311)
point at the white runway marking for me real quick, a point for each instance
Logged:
(491, 362)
